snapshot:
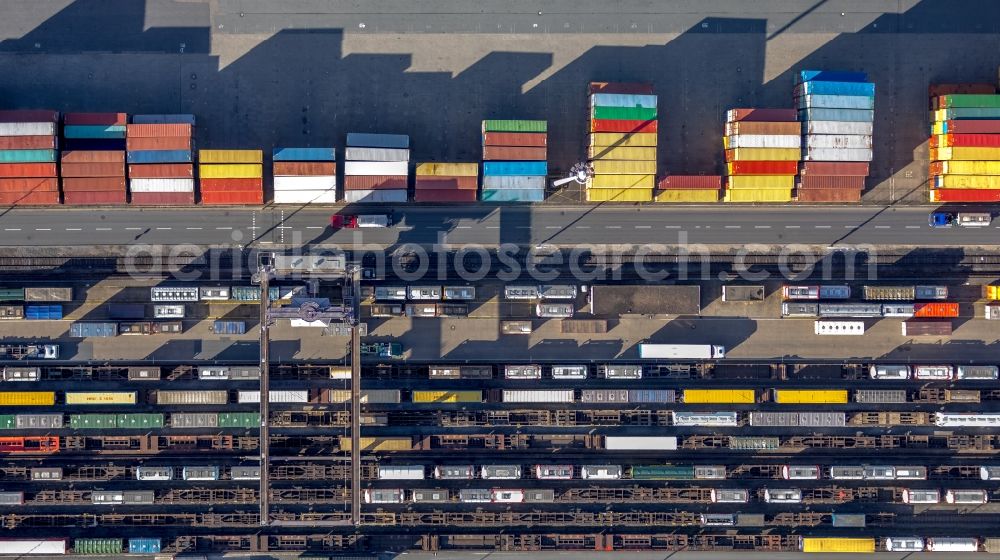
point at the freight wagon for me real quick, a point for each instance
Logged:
(839, 544)
(966, 496)
(430, 496)
(554, 472)
(640, 443)
(978, 372)
(48, 294)
(729, 496)
(677, 472)
(101, 398)
(879, 396)
(460, 372)
(431, 397)
(46, 474)
(893, 372)
(386, 310)
(244, 473)
(850, 310)
(619, 371)
(200, 473)
(163, 397)
(500, 472)
(273, 396)
(942, 544)
(798, 419)
(402, 472)
(719, 396)
(29, 351)
(904, 544)
(800, 472)
(154, 473)
(143, 374)
(15, 374)
(530, 371)
(454, 472)
(966, 420)
(601, 472)
(706, 419)
(934, 373)
(809, 396)
(178, 294)
(545, 396)
(569, 372)
(799, 310)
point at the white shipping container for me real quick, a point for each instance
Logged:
(378, 195)
(837, 127)
(853, 141)
(376, 154)
(765, 141)
(25, 547)
(835, 154)
(640, 443)
(273, 396)
(538, 396)
(376, 168)
(513, 182)
(401, 472)
(305, 183)
(836, 101)
(161, 185)
(305, 197)
(28, 129)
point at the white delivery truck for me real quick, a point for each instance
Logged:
(681, 352)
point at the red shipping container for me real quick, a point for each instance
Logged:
(93, 184)
(304, 168)
(973, 127)
(947, 89)
(752, 127)
(767, 115)
(32, 184)
(763, 167)
(163, 199)
(231, 185)
(92, 198)
(28, 170)
(828, 195)
(27, 142)
(513, 153)
(29, 115)
(625, 127)
(536, 139)
(236, 198)
(158, 130)
(831, 182)
(938, 309)
(445, 195)
(851, 168)
(371, 182)
(690, 182)
(161, 170)
(927, 327)
(966, 140)
(442, 182)
(93, 170)
(965, 195)
(631, 88)
(165, 143)
(93, 156)
(95, 119)
(29, 199)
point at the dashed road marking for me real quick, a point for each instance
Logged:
(582, 227)
(822, 227)
(193, 228)
(131, 229)
(223, 228)
(738, 227)
(73, 229)
(613, 227)
(553, 227)
(643, 227)
(12, 229)
(761, 227)
(672, 227)
(788, 227)
(883, 227)
(43, 229)
(492, 227)
(164, 228)
(107, 229)
(315, 227)
(912, 227)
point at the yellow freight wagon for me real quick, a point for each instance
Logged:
(626, 153)
(758, 195)
(761, 182)
(965, 153)
(230, 156)
(378, 444)
(27, 398)
(623, 139)
(623, 182)
(970, 167)
(619, 195)
(688, 195)
(829, 544)
(966, 182)
(123, 397)
(763, 154)
(810, 396)
(447, 397)
(615, 167)
(719, 396)
(231, 171)
(448, 169)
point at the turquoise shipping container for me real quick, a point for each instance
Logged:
(27, 156)
(509, 168)
(623, 100)
(513, 195)
(94, 131)
(836, 102)
(852, 115)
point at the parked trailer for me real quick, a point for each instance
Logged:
(640, 443)
(966, 420)
(799, 309)
(743, 293)
(926, 327)
(839, 328)
(180, 294)
(25, 547)
(904, 544)
(543, 396)
(48, 294)
(681, 351)
(879, 396)
(966, 496)
(978, 372)
(168, 311)
(88, 330)
(886, 371)
(944, 544)
(401, 472)
(229, 327)
(391, 293)
(11, 312)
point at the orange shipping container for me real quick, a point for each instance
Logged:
(29, 184)
(235, 198)
(31, 198)
(439, 182)
(93, 156)
(157, 130)
(513, 153)
(96, 184)
(759, 127)
(935, 310)
(163, 143)
(230, 185)
(537, 139)
(27, 142)
(27, 170)
(304, 168)
(93, 169)
(160, 170)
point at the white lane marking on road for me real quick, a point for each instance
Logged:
(284, 227)
(786, 227)
(397, 228)
(463, 227)
(737, 227)
(883, 227)
(12, 229)
(492, 227)
(761, 227)
(73, 229)
(105, 229)
(582, 227)
(849, 227)
(131, 229)
(164, 228)
(553, 227)
(314, 227)
(613, 227)
(912, 227)
(223, 228)
(643, 227)
(193, 228)
(822, 227)
(43, 229)
(672, 227)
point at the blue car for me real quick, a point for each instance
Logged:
(941, 219)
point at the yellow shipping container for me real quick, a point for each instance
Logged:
(448, 169)
(810, 396)
(970, 167)
(621, 153)
(27, 398)
(963, 153)
(122, 397)
(447, 396)
(618, 167)
(991, 293)
(764, 154)
(761, 182)
(374, 444)
(623, 182)
(719, 396)
(967, 182)
(638, 140)
(688, 195)
(231, 171)
(619, 195)
(758, 195)
(840, 544)
(230, 156)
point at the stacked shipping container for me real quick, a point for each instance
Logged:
(305, 175)
(689, 188)
(28, 142)
(622, 144)
(376, 167)
(446, 182)
(965, 145)
(231, 176)
(93, 161)
(160, 159)
(837, 110)
(515, 163)
(762, 149)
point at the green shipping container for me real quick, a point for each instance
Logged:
(969, 100)
(7, 422)
(239, 419)
(92, 421)
(967, 113)
(624, 113)
(663, 472)
(140, 421)
(11, 294)
(98, 546)
(27, 156)
(515, 126)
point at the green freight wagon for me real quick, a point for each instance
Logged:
(663, 472)
(98, 546)
(11, 294)
(515, 126)
(140, 421)
(7, 422)
(239, 419)
(624, 113)
(92, 421)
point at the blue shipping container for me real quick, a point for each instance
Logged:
(86, 330)
(836, 102)
(836, 88)
(27, 156)
(651, 396)
(623, 100)
(513, 195)
(365, 140)
(144, 546)
(163, 119)
(508, 168)
(43, 312)
(831, 76)
(159, 156)
(229, 327)
(94, 131)
(304, 154)
(852, 115)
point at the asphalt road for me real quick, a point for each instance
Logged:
(492, 225)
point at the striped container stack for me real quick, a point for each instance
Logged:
(28, 142)
(376, 167)
(231, 176)
(160, 160)
(622, 143)
(689, 188)
(515, 163)
(965, 145)
(446, 182)
(305, 175)
(762, 153)
(93, 158)
(837, 110)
